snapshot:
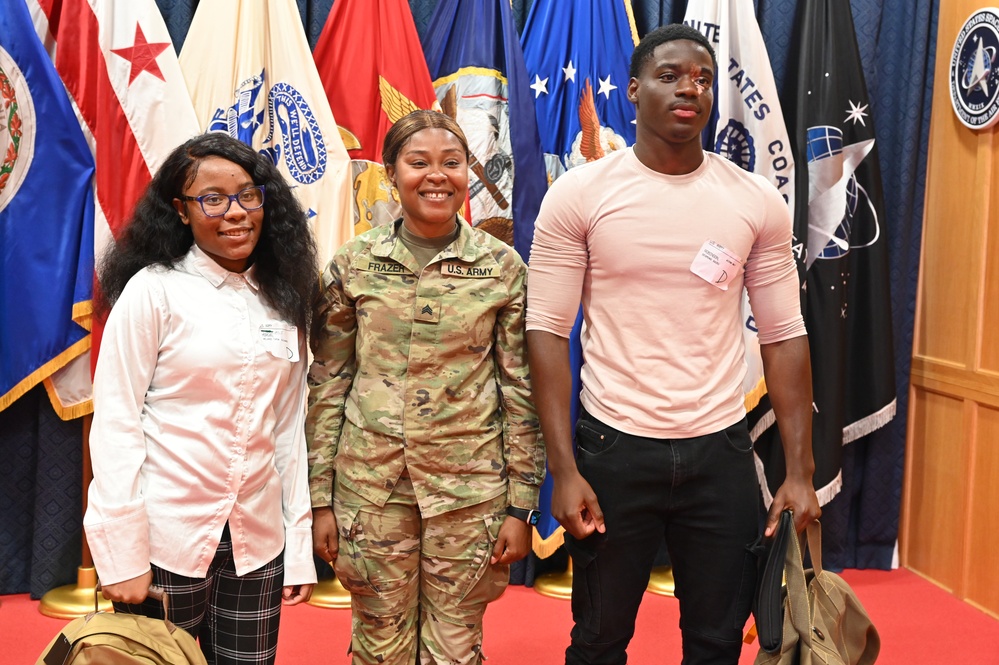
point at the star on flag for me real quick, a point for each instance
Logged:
(142, 55)
(605, 87)
(857, 113)
(539, 86)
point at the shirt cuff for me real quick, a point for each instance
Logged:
(120, 547)
(522, 496)
(299, 566)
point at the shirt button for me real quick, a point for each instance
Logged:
(231, 496)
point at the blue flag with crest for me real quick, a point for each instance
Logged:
(46, 214)
(577, 54)
(474, 56)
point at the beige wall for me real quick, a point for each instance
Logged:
(950, 511)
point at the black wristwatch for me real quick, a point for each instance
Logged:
(529, 516)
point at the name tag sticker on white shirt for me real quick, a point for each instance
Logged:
(716, 265)
(280, 340)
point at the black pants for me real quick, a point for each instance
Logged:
(703, 495)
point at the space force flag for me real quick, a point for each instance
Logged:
(577, 54)
(748, 129)
(251, 74)
(474, 55)
(844, 254)
(46, 213)
(372, 68)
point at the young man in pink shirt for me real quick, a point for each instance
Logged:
(657, 242)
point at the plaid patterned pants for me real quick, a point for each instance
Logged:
(234, 618)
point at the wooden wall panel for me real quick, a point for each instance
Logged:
(989, 333)
(934, 541)
(983, 535)
(950, 525)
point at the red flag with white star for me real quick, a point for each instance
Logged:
(120, 68)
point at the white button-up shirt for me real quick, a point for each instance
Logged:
(199, 403)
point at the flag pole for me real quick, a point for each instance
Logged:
(661, 581)
(330, 594)
(76, 600)
(555, 585)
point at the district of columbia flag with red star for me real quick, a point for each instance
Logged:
(119, 66)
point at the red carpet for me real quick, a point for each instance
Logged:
(919, 623)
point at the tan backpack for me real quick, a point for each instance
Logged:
(107, 638)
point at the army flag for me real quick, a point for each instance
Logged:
(577, 54)
(477, 66)
(250, 73)
(119, 66)
(844, 257)
(46, 214)
(748, 129)
(373, 71)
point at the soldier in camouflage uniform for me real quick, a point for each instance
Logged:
(424, 450)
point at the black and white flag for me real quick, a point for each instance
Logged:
(840, 245)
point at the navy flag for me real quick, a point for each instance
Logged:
(577, 54)
(477, 67)
(840, 246)
(46, 214)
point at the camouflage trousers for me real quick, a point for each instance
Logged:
(419, 586)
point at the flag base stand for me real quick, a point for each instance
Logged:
(555, 585)
(330, 594)
(661, 581)
(74, 600)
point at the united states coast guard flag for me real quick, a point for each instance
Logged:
(748, 128)
(475, 60)
(46, 213)
(842, 247)
(250, 73)
(577, 54)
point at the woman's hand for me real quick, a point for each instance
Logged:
(513, 542)
(298, 593)
(132, 591)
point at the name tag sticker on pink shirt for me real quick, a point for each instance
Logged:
(280, 340)
(716, 265)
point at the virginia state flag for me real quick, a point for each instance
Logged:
(46, 213)
(119, 66)
(577, 54)
(475, 60)
(748, 128)
(372, 68)
(844, 255)
(250, 73)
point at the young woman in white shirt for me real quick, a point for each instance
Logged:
(197, 442)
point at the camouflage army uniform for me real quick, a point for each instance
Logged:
(420, 401)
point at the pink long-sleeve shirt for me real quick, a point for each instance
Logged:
(659, 263)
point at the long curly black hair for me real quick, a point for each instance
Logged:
(286, 258)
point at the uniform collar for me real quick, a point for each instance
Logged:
(390, 246)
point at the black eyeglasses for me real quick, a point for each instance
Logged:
(216, 204)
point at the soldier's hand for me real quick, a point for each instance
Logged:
(513, 542)
(325, 538)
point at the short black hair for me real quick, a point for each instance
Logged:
(667, 33)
